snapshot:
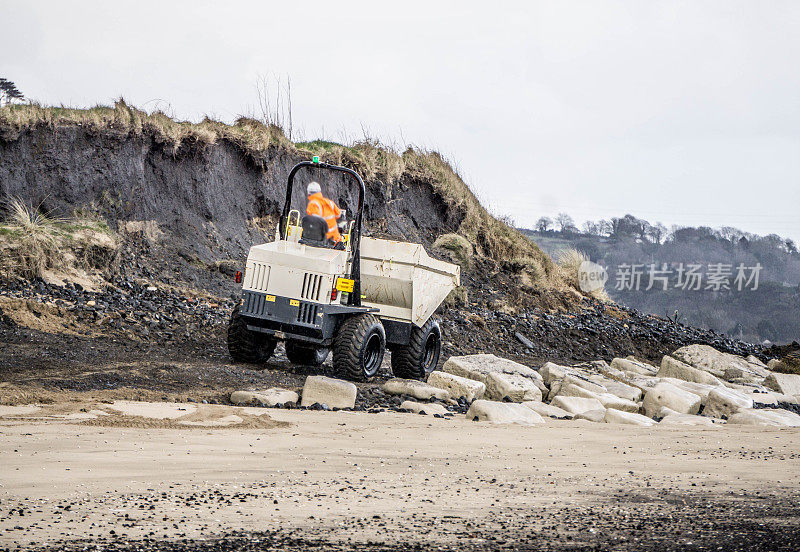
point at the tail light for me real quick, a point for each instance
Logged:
(238, 277)
(334, 294)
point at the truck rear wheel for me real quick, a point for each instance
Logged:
(421, 355)
(358, 347)
(245, 345)
(306, 355)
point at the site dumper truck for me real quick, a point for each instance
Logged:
(357, 300)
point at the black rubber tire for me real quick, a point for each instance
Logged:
(421, 355)
(358, 348)
(247, 346)
(306, 355)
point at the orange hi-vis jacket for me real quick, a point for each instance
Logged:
(322, 206)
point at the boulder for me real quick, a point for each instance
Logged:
(613, 416)
(700, 389)
(502, 377)
(547, 410)
(512, 387)
(623, 390)
(597, 415)
(335, 393)
(768, 417)
(457, 386)
(723, 403)
(773, 363)
(551, 372)
(502, 413)
(571, 379)
(413, 388)
(670, 417)
(672, 368)
(675, 398)
(708, 359)
(635, 366)
(787, 384)
(577, 405)
(755, 360)
(426, 408)
(268, 397)
(606, 399)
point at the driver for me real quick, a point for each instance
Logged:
(323, 207)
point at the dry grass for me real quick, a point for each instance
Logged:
(252, 136)
(569, 261)
(32, 242)
(378, 164)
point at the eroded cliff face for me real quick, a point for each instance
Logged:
(210, 202)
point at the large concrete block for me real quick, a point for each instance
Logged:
(597, 415)
(547, 410)
(577, 405)
(571, 379)
(613, 416)
(672, 368)
(675, 398)
(787, 384)
(635, 366)
(606, 399)
(268, 397)
(708, 359)
(623, 390)
(551, 372)
(723, 403)
(670, 417)
(502, 377)
(414, 388)
(767, 417)
(700, 389)
(502, 413)
(457, 386)
(335, 393)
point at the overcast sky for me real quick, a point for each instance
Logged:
(679, 112)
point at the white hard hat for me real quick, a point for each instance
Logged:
(313, 188)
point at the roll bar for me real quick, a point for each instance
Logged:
(355, 238)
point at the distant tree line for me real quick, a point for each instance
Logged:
(630, 227)
(9, 92)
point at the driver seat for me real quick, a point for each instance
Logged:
(315, 231)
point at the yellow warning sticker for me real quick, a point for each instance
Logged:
(270, 298)
(294, 302)
(345, 285)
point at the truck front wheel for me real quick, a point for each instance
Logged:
(358, 347)
(245, 345)
(421, 355)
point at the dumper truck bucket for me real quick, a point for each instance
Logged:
(402, 281)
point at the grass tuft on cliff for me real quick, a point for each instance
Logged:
(378, 164)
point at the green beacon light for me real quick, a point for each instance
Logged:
(315, 159)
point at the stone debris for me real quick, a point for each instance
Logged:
(423, 408)
(547, 410)
(576, 405)
(273, 396)
(675, 398)
(613, 416)
(503, 413)
(673, 368)
(457, 386)
(414, 388)
(329, 391)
